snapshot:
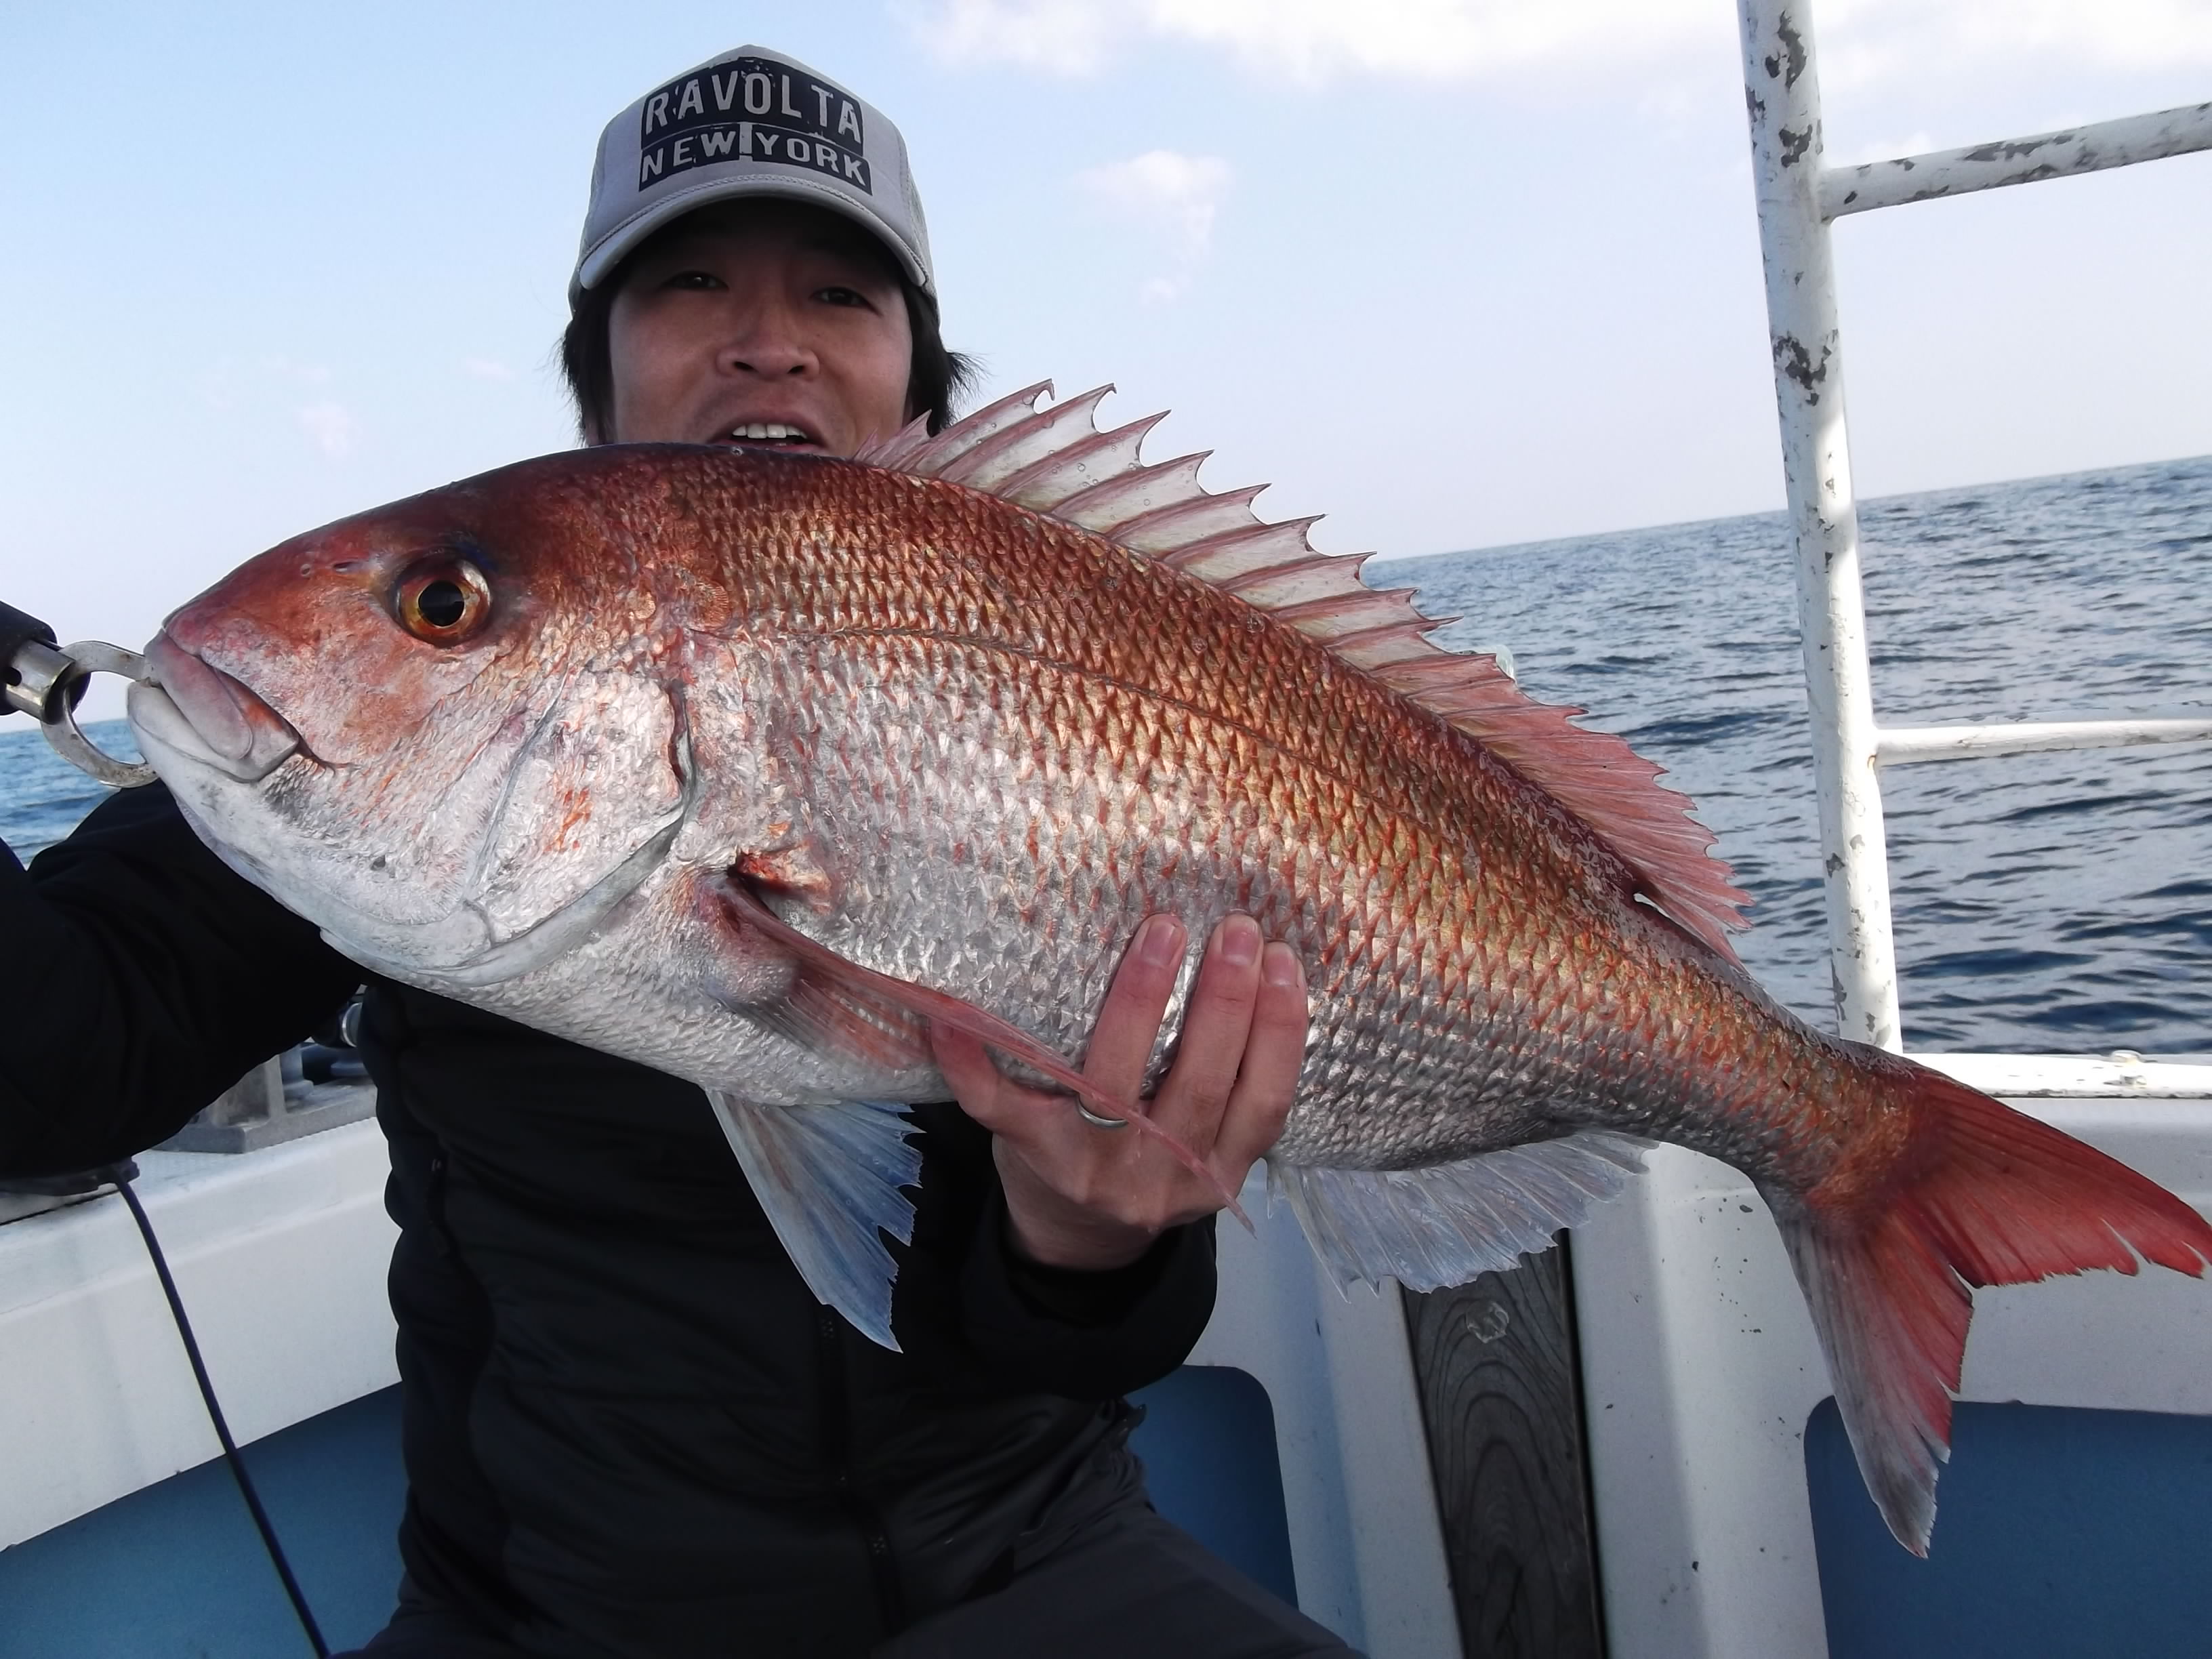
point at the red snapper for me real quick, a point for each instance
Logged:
(751, 766)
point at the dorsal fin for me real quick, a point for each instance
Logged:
(1053, 459)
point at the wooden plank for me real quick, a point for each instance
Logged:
(1501, 1400)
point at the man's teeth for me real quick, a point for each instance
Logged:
(757, 430)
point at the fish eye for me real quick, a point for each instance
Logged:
(444, 601)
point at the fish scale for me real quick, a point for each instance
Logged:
(1083, 720)
(760, 768)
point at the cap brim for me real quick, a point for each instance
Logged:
(595, 266)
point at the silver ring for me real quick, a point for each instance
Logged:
(1098, 1122)
(63, 734)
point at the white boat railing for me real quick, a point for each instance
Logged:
(1798, 197)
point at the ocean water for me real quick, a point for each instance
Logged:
(2042, 903)
(2054, 903)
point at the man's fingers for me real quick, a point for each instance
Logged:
(1267, 1082)
(1079, 1196)
(1046, 1127)
(1215, 1028)
(1129, 1021)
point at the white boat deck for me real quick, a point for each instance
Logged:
(1700, 1369)
(280, 1256)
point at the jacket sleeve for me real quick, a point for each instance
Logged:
(142, 979)
(1092, 1335)
(968, 1305)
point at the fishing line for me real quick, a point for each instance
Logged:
(222, 1429)
(45, 682)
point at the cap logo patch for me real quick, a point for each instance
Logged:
(752, 109)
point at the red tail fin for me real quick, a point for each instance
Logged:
(1987, 1196)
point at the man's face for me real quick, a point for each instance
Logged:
(762, 322)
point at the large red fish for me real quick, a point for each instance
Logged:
(750, 765)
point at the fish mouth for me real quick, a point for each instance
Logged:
(192, 709)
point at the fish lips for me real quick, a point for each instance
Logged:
(199, 713)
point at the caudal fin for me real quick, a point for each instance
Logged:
(1986, 1196)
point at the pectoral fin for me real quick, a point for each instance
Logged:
(830, 1179)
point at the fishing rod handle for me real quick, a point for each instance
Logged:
(45, 681)
(35, 675)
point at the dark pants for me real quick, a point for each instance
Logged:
(1127, 1585)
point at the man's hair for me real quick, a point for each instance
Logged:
(935, 376)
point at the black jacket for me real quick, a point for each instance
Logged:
(629, 1428)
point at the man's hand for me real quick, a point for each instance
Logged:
(1080, 1196)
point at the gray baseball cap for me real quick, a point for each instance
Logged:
(749, 123)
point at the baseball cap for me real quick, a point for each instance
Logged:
(749, 123)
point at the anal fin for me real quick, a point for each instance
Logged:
(1442, 1225)
(828, 1177)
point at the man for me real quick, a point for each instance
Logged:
(628, 1427)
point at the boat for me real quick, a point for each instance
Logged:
(1622, 1447)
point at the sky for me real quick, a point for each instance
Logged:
(1457, 273)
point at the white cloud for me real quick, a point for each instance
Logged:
(331, 426)
(1868, 41)
(296, 370)
(1066, 37)
(1175, 196)
(1173, 192)
(1316, 40)
(270, 383)
(1425, 39)
(1309, 40)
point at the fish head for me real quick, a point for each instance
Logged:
(443, 730)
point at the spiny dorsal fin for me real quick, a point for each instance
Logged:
(1053, 459)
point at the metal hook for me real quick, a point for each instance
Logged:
(85, 658)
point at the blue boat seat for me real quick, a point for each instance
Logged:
(175, 1570)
